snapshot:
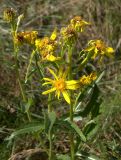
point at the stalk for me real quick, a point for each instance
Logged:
(71, 135)
(30, 62)
(17, 71)
(50, 133)
(71, 105)
(14, 32)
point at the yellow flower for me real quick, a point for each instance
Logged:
(47, 43)
(52, 58)
(86, 80)
(53, 35)
(69, 35)
(78, 23)
(47, 46)
(60, 84)
(100, 49)
(30, 37)
(26, 37)
(9, 15)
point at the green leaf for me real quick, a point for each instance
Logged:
(95, 111)
(89, 127)
(86, 156)
(86, 92)
(46, 122)
(35, 127)
(93, 102)
(29, 104)
(78, 130)
(52, 118)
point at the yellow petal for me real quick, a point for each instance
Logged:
(71, 82)
(73, 87)
(53, 35)
(109, 52)
(48, 79)
(52, 58)
(58, 94)
(96, 50)
(66, 96)
(49, 91)
(52, 72)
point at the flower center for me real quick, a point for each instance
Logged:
(100, 46)
(60, 84)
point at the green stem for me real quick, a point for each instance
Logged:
(50, 133)
(71, 134)
(50, 146)
(30, 62)
(14, 32)
(85, 61)
(28, 115)
(39, 68)
(71, 105)
(18, 74)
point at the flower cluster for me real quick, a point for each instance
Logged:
(47, 46)
(60, 84)
(69, 33)
(25, 37)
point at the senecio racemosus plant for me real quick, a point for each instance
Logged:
(61, 77)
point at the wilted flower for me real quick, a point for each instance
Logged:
(60, 84)
(9, 15)
(69, 35)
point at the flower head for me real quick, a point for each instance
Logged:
(9, 15)
(69, 35)
(60, 85)
(100, 49)
(47, 46)
(26, 37)
(86, 80)
(78, 23)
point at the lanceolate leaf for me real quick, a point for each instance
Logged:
(91, 103)
(95, 111)
(77, 130)
(52, 118)
(27, 129)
